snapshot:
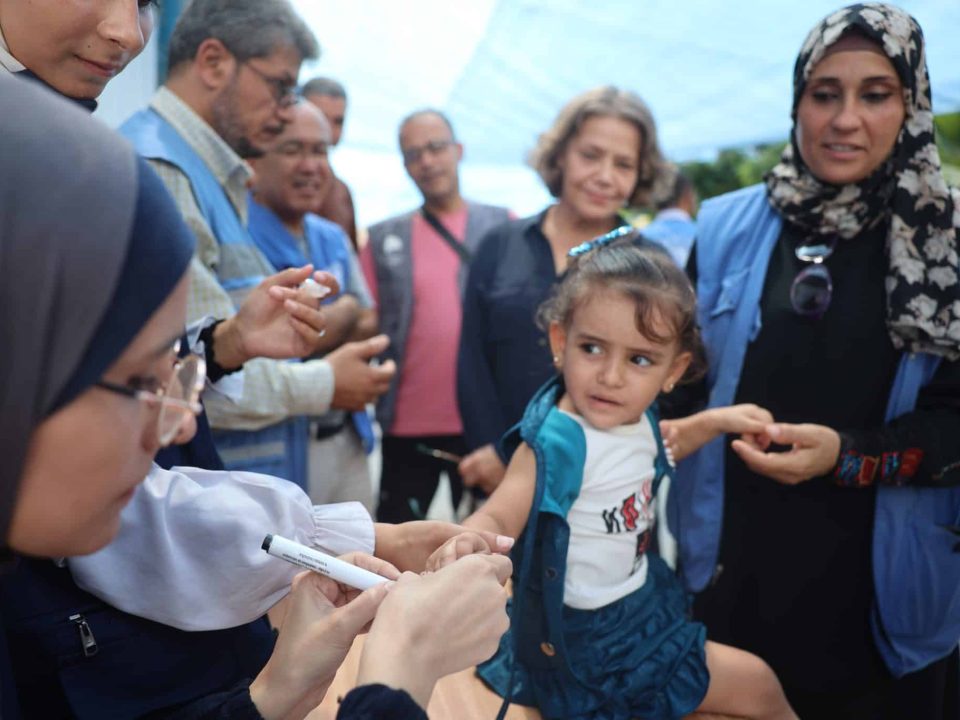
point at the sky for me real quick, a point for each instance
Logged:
(716, 74)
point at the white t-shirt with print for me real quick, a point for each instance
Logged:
(611, 521)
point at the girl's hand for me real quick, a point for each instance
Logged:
(748, 420)
(467, 543)
(685, 436)
(814, 451)
(410, 544)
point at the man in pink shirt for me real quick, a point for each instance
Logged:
(415, 265)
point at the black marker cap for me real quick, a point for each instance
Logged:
(266, 543)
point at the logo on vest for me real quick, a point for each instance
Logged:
(393, 249)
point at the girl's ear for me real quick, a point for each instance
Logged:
(558, 341)
(680, 364)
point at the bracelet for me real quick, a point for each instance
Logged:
(215, 371)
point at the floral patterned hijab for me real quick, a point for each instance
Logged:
(907, 192)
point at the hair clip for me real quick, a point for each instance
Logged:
(599, 242)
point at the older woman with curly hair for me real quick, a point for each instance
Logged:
(600, 155)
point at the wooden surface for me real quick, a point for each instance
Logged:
(457, 697)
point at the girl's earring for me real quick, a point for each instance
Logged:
(556, 361)
(668, 388)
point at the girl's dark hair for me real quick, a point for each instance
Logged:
(649, 276)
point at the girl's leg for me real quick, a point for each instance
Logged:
(743, 686)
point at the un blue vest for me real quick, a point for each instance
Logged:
(916, 614)
(328, 249)
(281, 449)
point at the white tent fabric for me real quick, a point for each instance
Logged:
(716, 74)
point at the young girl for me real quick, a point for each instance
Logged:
(599, 626)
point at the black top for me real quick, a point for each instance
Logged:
(795, 579)
(379, 702)
(504, 357)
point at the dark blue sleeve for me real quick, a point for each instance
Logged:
(233, 704)
(379, 702)
(477, 396)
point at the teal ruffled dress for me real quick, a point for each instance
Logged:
(638, 657)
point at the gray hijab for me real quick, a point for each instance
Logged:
(68, 193)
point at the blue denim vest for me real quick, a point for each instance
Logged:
(540, 555)
(280, 449)
(916, 616)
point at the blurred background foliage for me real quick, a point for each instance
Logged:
(736, 168)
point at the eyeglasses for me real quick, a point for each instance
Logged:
(284, 92)
(812, 288)
(434, 147)
(598, 242)
(178, 400)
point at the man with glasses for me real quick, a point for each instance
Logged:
(292, 179)
(415, 264)
(233, 69)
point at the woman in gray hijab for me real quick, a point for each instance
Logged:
(93, 263)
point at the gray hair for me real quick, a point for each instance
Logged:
(324, 86)
(248, 29)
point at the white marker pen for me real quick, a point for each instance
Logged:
(342, 572)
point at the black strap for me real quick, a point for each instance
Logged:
(458, 247)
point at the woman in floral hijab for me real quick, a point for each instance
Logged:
(829, 296)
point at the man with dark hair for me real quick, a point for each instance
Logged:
(415, 264)
(337, 206)
(673, 227)
(233, 71)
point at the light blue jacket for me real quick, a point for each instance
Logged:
(916, 615)
(281, 449)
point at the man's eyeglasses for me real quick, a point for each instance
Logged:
(178, 400)
(284, 92)
(812, 288)
(434, 147)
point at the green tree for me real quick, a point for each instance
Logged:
(739, 167)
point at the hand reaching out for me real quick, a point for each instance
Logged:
(459, 546)
(280, 318)
(409, 545)
(813, 452)
(685, 436)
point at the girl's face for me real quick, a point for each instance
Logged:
(85, 460)
(600, 167)
(613, 373)
(849, 116)
(76, 46)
